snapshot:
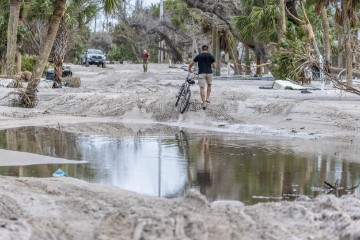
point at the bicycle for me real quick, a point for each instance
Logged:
(184, 94)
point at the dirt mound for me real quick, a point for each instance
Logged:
(74, 209)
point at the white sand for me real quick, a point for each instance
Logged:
(14, 158)
(67, 208)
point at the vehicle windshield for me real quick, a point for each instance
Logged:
(94, 51)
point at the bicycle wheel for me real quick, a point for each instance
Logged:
(185, 99)
(179, 94)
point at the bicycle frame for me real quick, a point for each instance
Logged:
(185, 93)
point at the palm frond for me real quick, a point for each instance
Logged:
(110, 5)
(245, 27)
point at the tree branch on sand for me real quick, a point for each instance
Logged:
(20, 98)
(331, 74)
(335, 188)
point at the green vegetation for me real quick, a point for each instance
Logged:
(28, 63)
(120, 53)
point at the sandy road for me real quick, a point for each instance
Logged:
(122, 92)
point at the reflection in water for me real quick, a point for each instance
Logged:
(204, 165)
(220, 167)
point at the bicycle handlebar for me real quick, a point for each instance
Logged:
(192, 75)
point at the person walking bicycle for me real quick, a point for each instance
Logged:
(206, 63)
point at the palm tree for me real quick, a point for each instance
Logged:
(282, 18)
(29, 98)
(12, 31)
(59, 9)
(59, 51)
(321, 8)
(77, 12)
(259, 25)
(80, 13)
(345, 15)
(347, 10)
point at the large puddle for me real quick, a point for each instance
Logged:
(222, 167)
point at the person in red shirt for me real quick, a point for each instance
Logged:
(145, 56)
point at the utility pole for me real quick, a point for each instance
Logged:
(160, 56)
(95, 23)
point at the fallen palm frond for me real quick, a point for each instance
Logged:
(74, 82)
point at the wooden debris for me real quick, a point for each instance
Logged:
(335, 189)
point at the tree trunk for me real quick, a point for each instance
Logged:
(59, 51)
(136, 54)
(214, 43)
(326, 27)
(45, 50)
(58, 63)
(247, 60)
(22, 15)
(12, 30)
(216, 50)
(195, 47)
(18, 62)
(175, 52)
(345, 6)
(355, 22)
(235, 56)
(282, 19)
(291, 6)
(95, 23)
(340, 47)
(259, 68)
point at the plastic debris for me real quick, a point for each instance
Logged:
(59, 173)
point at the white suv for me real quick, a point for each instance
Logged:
(94, 57)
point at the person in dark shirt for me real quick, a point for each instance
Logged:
(206, 63)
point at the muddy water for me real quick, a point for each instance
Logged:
(166, 164)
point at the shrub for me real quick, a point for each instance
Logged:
(28, 63)
(121, 52)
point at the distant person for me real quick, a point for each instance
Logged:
(205, 61)
(145, 56)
